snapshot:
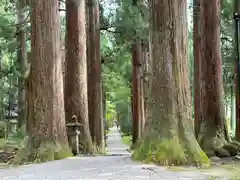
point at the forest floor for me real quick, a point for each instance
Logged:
(116, 165)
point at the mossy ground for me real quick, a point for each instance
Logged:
(46, 152)
(169, 152)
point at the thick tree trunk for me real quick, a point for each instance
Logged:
(76, 101)
(46, 116)
(197, 66)
(237, 85)
(136, 91)
(94, 76)
(169, 137)
(213, 132)
(22, 62)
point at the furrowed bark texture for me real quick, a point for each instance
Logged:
(198, 90)
(213, 132)
(136, 91)
(76, 101)
(94, 76)
(46, 118)
(169, 137)
(137, 113)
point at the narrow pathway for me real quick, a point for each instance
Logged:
(114, 143)
(117, 165)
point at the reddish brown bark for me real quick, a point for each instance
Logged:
(94, 76)
(76, 100)
(170, 129)
(197, 65)
(136, 91)
(213, 132)
(46, 116)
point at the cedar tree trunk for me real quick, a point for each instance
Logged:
(94, 76)
(169, 137)
(46, 116)
(198, 90)
(76, 100)
(22, 62)
(136, 84)
(213, 132)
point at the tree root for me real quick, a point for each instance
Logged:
(229, 149)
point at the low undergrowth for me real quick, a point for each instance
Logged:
(46, 152)
(127, 139)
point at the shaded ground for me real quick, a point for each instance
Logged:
(117, 165)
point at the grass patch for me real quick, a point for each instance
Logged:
(46, 152)
(127, 139)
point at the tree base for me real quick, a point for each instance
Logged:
(218, 146)
(169, 151)
(99, 149)
(46, 152)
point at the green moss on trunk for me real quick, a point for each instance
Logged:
(169, 151)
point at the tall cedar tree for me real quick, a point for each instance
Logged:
(76, 101)
(213, 132)
(198, 90)
(22, 62)
(94, 75)
(136, 84)
(46, 116)
(136, 101)
(169, 134)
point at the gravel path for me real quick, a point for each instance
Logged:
(117, 165)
